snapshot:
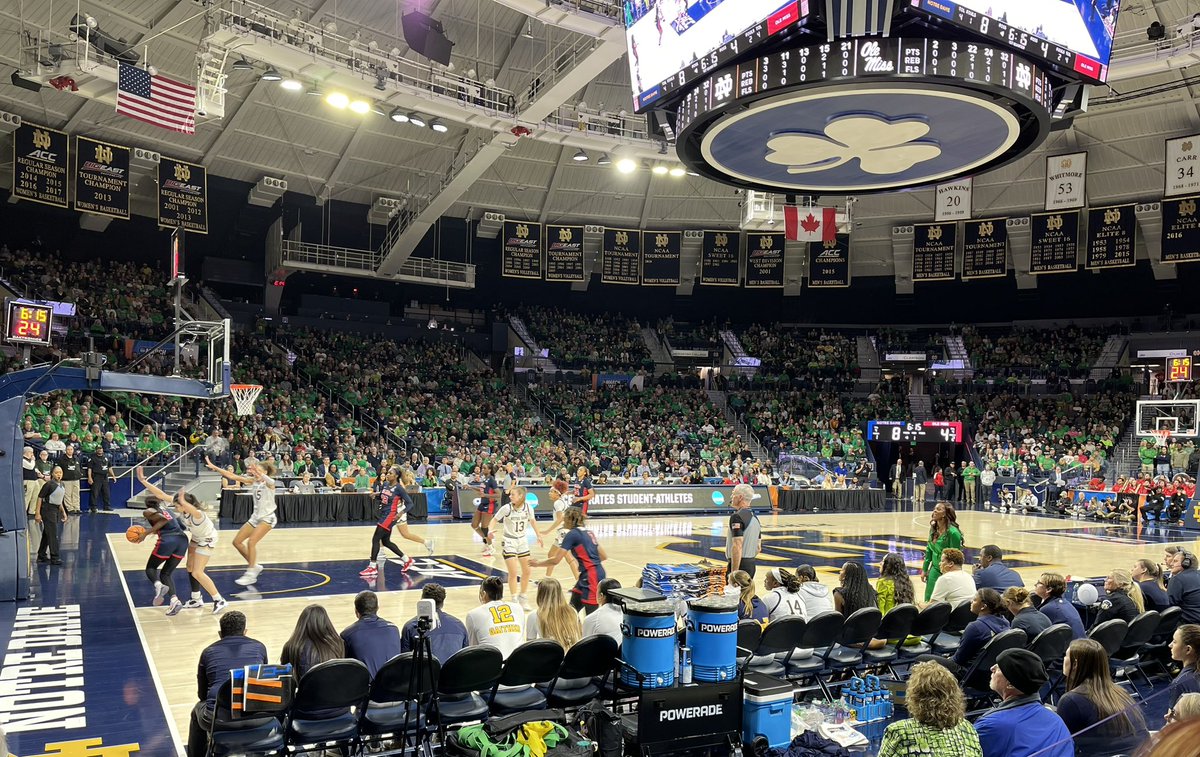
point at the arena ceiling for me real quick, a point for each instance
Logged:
(267, 131)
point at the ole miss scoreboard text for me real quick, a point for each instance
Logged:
(28, 322)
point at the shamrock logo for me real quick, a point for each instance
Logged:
(882, 147)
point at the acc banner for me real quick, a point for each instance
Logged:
(521, 253)
(1183, 166)
(719, 258)
(564, 253)
(764, 261)
(985, 249)
(1110, 237)
(40, 158)
(1180, 231)
(101, 178)
(829, 263)
(182, 195)
(1066, 176)
(660, 257)
(621, 257)
(1054, 242)
(933, 251)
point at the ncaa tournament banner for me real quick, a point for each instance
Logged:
(985, 249)
(621, 257)
(40, 164)
(933, 251)
(521, 253)
(564, 253)
(829, 263)
(719, 253)
(1110, 237)
(660, 257)
(1054, 242)
(764, 260)
(1066, 178)
(182, 195)
(1183, 166)
(1180, 231)
(101, 178)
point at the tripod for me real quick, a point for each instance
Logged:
(422, 681)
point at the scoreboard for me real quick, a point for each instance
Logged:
(915, 432)
(1179, 369)
(28, 322)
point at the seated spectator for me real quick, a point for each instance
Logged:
(608, 617)
(554, 618)
(304, 485)
(233, 651)
(448, 634)
(1185, 649)
(783, 597)
(749, 605)
(1124, 600)
(895, 586)
(1186, 708)
(370, 639)
(938, 725)
(1021, 726)
(855, 591)
(313, 641)
(1092, 698)
(495, 623)
(1024, 615)
(953, 585)
(1050, 588)
(1183, 590)
(816, 595)
(992, 573)
(1149, 579)
(986, 604)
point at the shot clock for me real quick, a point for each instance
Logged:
(915, 432)
(28, 322)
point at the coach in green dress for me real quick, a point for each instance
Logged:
(943, 534)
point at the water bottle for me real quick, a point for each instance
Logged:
(685, 666)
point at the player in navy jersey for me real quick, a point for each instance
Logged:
(584, 490)
(581, 544)
(394, 504)
(489, 500)
(169, 549)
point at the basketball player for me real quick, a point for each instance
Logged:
(170, 548)
(202, 540)
(584, 490)
(561, 499)
(582, 545)
(394, 503)
(488, 499)
(262, 488)
(515, 518)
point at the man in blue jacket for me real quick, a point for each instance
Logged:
(992, 573)
(371, 640)
(233, 651)
(446, 637)
(1184, 589)
(1021, 726)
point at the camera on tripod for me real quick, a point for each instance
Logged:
(427, 618)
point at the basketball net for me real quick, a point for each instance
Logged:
(1161, 436)
(244, 396)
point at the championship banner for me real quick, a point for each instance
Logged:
(1066, 177)
(40, 160)
(1054, 242)
(719, 255)
(764, 260)
(521, 253)
(829, 263)
(933, 251)
(1110, 237)
(182, 195)
(660, 257)
(101, 178)
(621, 257)
(953, 201)
(1180, 231)
(1183, 166)
(985, 249)
(564, 253)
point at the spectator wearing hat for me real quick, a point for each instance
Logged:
(992, 573)
(1020, 725)
(741, 544)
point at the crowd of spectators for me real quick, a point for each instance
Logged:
(1011, 354)
(701, 335)
(798, 354)
(604, 341)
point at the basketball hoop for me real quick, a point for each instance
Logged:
(1161, 436)
(244, 396)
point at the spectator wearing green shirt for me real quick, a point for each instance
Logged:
(970, 478)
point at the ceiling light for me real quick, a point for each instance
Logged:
(659, 168)
(678, 171)
(337, 100)
(626, 165)
(580, 156)
(360, 107)
(398, 116)
(416, 120)
(528, 33)
(272, 75)
(242, 65)
(438, 126)
(291, 85)
(603, 160)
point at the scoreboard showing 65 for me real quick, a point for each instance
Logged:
(926, 432)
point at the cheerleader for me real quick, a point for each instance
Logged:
(515, 518)
(202, 540)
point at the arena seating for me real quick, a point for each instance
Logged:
(801, 358)
(1038, 353)
(606, 341)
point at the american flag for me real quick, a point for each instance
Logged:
(156, 100)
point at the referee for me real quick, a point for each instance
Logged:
(741, 544)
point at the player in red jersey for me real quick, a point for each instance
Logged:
(394, 503)
(489, 500)
(584, 490)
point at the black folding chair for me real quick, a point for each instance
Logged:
(947, 642)
(894, 629)
(929, 623)
(1050, 646)
(327, 706)
(780, 637)
(1128, 659)
(591, 658)
(749, 631)
(857, 632)
(820, 634)
(1110, 634)
(467, 672)
(533, 662)
(976, 679)
(253, 737)
(1158, 650)
(395, 704)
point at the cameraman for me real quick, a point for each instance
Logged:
(447, 634)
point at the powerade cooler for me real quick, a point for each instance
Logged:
(648, 646)
(766, 709)
(712, 635)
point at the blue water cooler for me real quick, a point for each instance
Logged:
(766, 709)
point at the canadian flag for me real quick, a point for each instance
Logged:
(810, 224)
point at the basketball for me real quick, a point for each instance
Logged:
(133, 533)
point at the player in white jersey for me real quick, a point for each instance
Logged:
(495, 623)
(783, 595)
(561, 499)
(202, 540)
(516, 519)
(262, 488)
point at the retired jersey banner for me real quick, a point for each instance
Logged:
(40, 164)
(764, 260)
(1110, 237)
(1180, 231)
(719, 256)
(829, 263)
(660, 257)
(1066, 179)
(521, 253)
(1183, 166)
(182, 195)
(953, 201)
(1054, 242)
(933, 251)
(621, 257)
(985, 249)
(101, 178)
(564, 253)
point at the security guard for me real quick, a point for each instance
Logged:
(1118, 604)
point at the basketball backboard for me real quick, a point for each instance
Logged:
(1180, 417)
